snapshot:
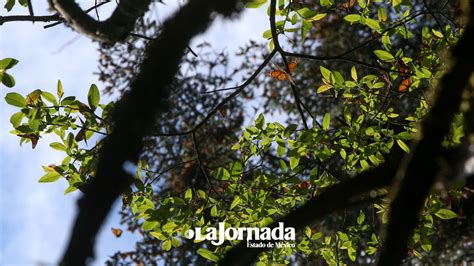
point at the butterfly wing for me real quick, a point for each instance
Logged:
(406, 83)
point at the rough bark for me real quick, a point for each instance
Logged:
(116, 28)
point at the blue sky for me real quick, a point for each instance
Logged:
(35, 219)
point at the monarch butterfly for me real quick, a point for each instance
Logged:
(281, 74)
(117, 232)
(406, 83)
(348, 4)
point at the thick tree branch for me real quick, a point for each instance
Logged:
(132, 120)
(116, 28)
(48, 18)
(417, 174)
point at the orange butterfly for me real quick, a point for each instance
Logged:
(406, 83)
(117, 232)
(281, 74)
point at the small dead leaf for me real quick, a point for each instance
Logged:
(304, 185)
(33, 138)
(223, 112)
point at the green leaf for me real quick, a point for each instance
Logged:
(255, 3)
(93, 96)
(267, 34)
(326, 121)
(167, 245)
(49, 177)
(382, 15)
(8, 63)
(9, 5)
(260, 121)
(58, 146)
(49, 97)
(306, 12)
(361, 218)
(68, 100)
(15, 99)
(325, 72)
(158, 235)
(189, 194)
(16, 118)
(426, 244)
(169, 227)
(352, 18)
(7, 79)
(60, 90)
(326, 3)
(446, 214)
(384, 55)
(70, 189)
(149, 225)
(294, 161)
(175, 241)
(403, 145)
(214, 211)
(235, 202)
(317, 17)
(437, 33)
(323, 88)
(354, 73)
(208, 254)
(373, 24)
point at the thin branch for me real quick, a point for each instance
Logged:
(216, 108)
(334, 198)
(418, 172)
(151, 39)
(133, 118)
(28, 18)
(437, 22)
(280, 50)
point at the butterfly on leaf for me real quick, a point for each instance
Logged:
(405, 85)
(281, 74)
(117, 232)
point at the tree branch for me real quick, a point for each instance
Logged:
(418, 172)
(132, 119)
(335, 198)
(116, 28)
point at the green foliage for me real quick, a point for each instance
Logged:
(5, 77)
(245, 193)
(73, 122)
(9, 4)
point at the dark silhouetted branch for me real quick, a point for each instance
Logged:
(116, 28)
(28, 18)
(133, 118)
(418, 172)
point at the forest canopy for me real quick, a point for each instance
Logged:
(348, 120)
